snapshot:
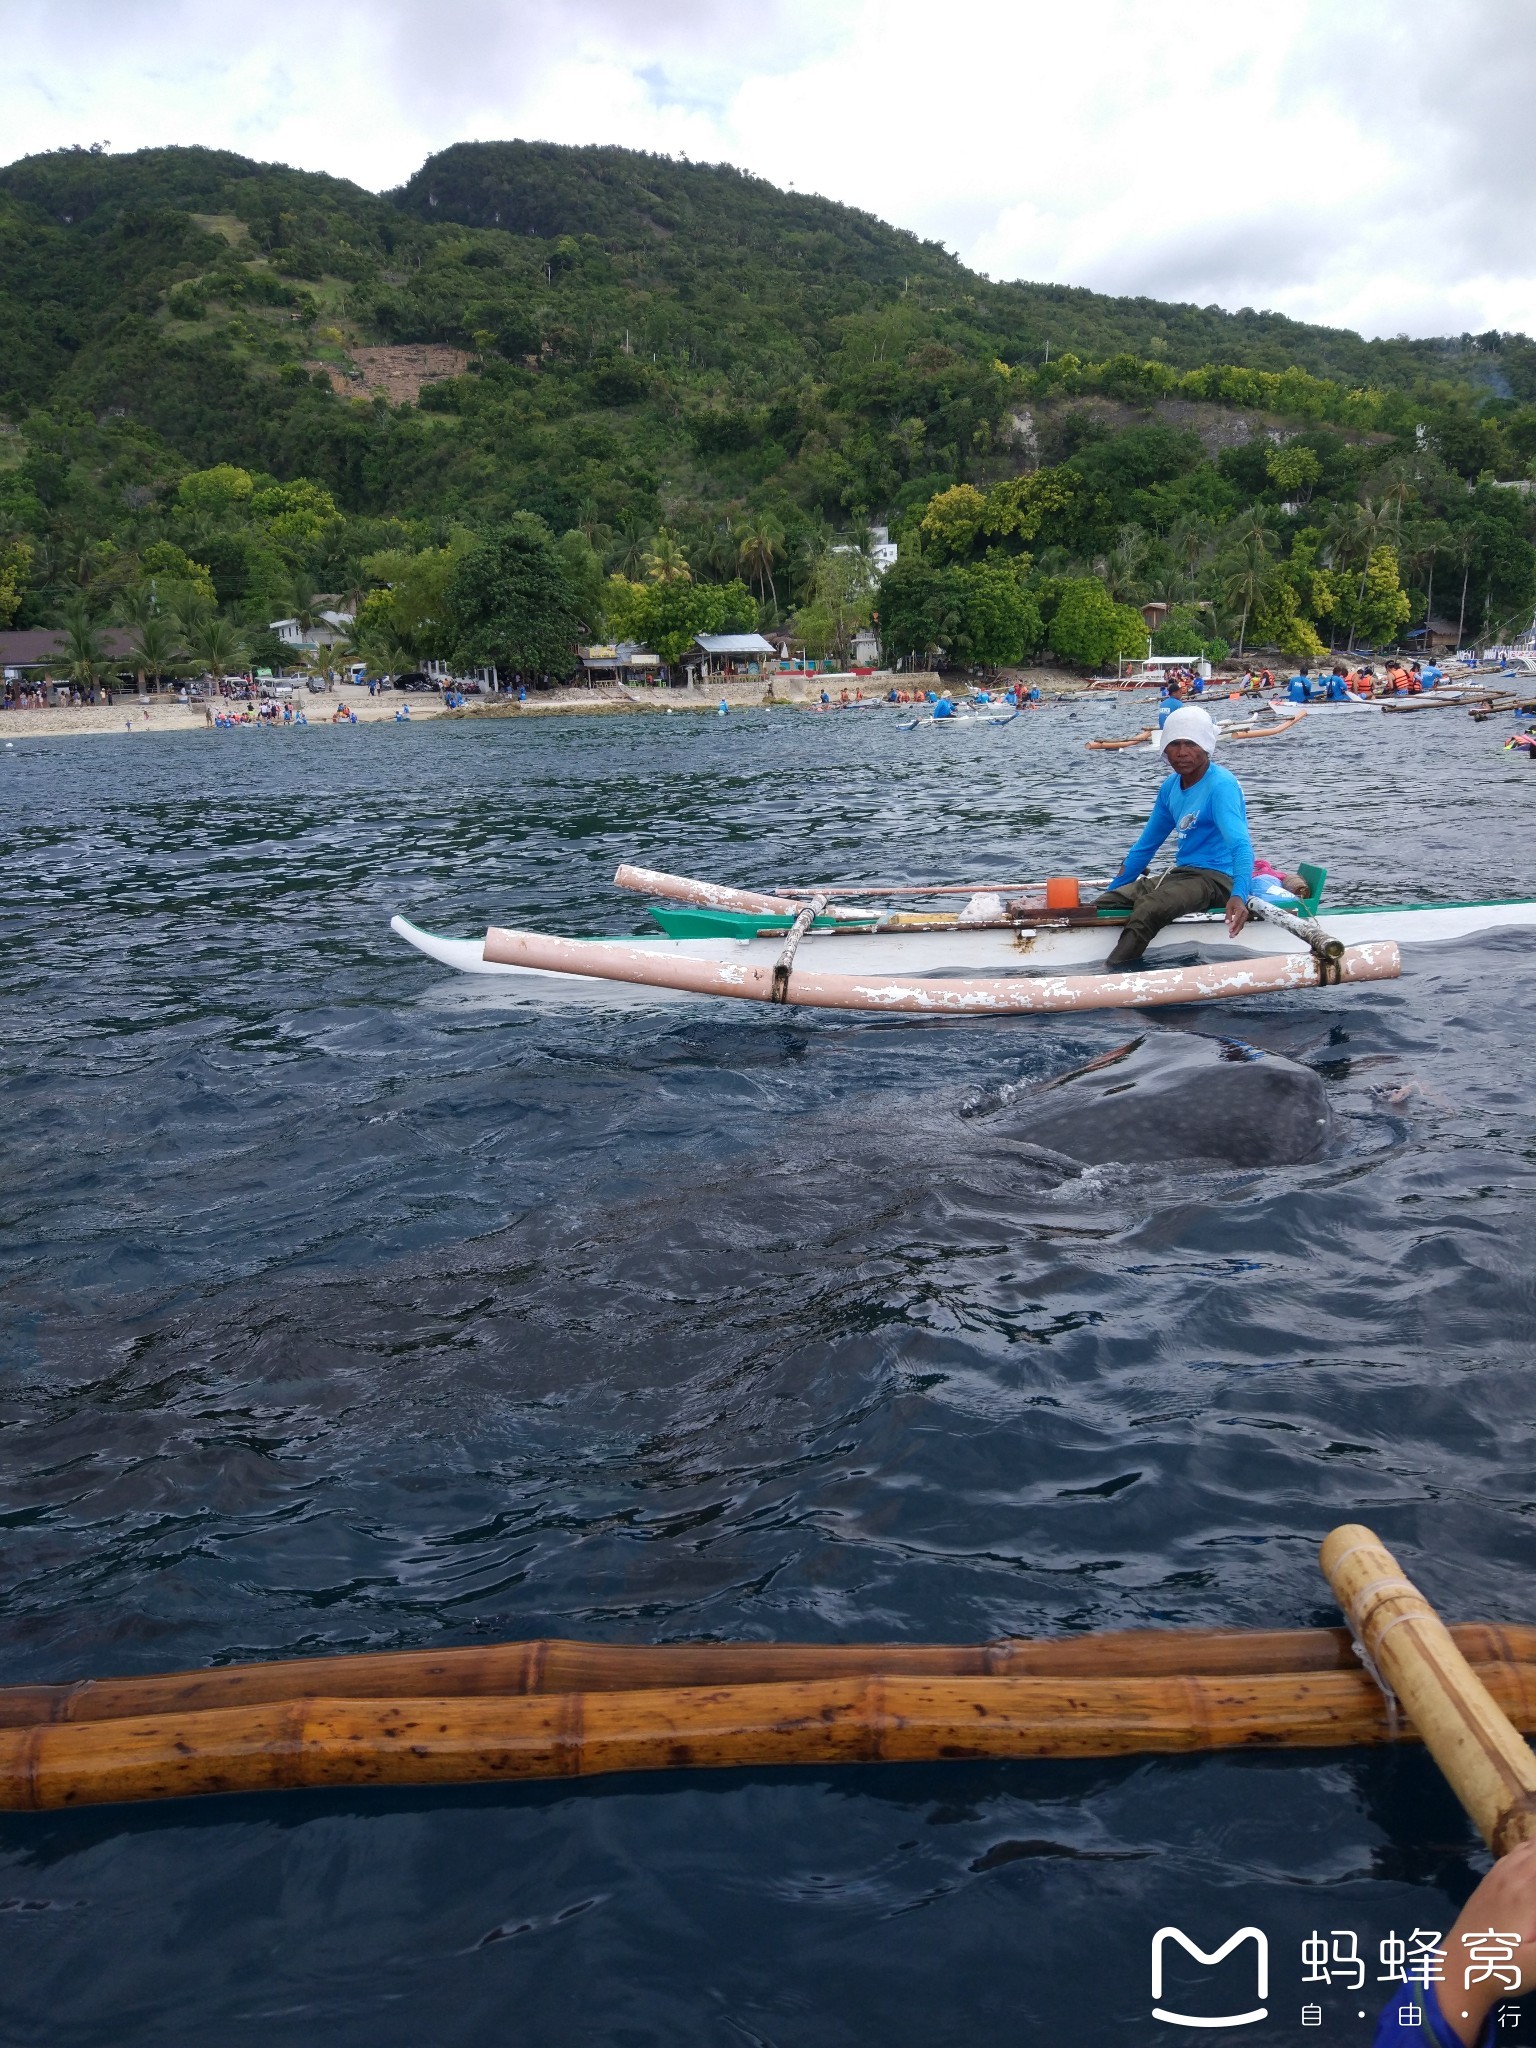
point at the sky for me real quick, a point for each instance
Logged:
(1357, 162)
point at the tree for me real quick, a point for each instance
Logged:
(667, 616)
(1371, 520)
(952, 523)
(1382, 608)
(840, 600)
(999, 621)
(1089, 628)
(15, 561)
(1117, 570)
(154, 648)
(758, 542)
(216, 647)
(1294, 471)
(667, 562)
(217, 492)
(1182, 632)
(920, 607)
(632, 547)
(1244, 581)
(85, 658)
(509, 603)
(1277, 619)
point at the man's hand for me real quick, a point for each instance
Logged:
(1505, 1901)
(1237, 915)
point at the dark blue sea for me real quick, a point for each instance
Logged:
(352, 1305)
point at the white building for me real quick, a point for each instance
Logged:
(328, 629)
(882, 550)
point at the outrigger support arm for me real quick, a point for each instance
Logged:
(1327, 951)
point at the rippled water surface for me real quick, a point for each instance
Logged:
(350, 1305)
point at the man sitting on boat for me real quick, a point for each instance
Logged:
(1203, 806)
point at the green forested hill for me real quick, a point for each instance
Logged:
(650, 346)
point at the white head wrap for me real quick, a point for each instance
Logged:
(1189, 723)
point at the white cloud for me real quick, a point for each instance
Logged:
(1352, 161)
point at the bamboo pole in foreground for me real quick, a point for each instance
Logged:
(510, 1670)
(341, 1742)
(995, 996)
(1460, 1719)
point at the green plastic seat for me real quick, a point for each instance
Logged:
(1314, 878)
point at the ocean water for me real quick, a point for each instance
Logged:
(353, 1305)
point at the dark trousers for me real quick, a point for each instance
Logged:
(1179, 893)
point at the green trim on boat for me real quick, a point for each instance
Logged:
(1482, 903)
(690, 922)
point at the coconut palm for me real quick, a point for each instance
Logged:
(154, 648)
(632, 548)
(1371, 521)
(1244, 582)
(138, 605)
(85, 659)
(1463, 547)
(1118, 569)
(382, 647)
(305, 606)
(215, 646)
(666, 561)
(1190, 541)
(712, 551)
(758, 541)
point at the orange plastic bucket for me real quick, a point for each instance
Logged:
(1061, 893)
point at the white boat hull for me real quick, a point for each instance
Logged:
(992, 951)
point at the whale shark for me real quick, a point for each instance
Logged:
(1169, 1096)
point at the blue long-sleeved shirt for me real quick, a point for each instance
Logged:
(1211, 821)
(1394, 2031)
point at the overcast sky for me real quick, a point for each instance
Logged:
(1361, 162)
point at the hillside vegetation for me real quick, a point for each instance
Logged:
(685, 394)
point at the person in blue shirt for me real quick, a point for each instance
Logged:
(1454, 2013)
(1300, 691)
(1202, 806)
(1165, 711)
(943, 708)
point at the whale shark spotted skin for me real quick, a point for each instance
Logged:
(1169, 1096)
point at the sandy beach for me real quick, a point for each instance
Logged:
(166, 714)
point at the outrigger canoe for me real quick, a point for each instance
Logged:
(713, 939)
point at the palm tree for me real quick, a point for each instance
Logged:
(1340, 537)
(154, 648)
(138, 604)
(1189, 541)
(633, 548)
(305, 607)
(666, 562)
(384, 649)
(215, 646)
(1118, 568)
(85, 654)
(1244, 583)
(758, 541)
(1371, 519)
(1463, 547)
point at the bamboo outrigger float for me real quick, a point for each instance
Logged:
(558, 1710)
